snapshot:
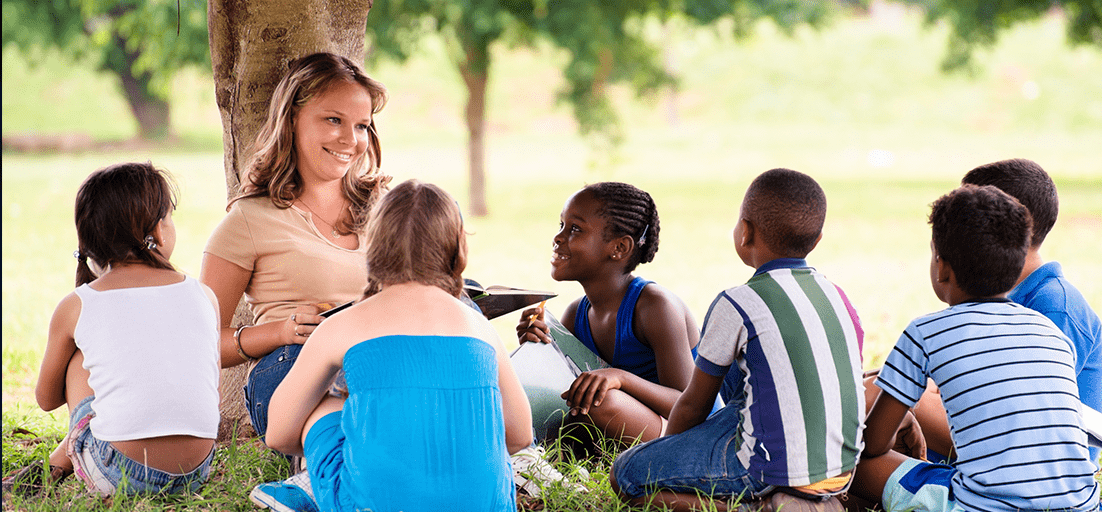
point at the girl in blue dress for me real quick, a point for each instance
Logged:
(644, 331)
(433, 407)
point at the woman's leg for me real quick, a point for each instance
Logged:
(263, 381)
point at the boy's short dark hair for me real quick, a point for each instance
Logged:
(788, 209)
(1027, 182)
(983, 234)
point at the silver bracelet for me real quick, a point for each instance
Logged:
(237, 344)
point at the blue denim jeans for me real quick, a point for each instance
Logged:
(702, 460)
(106, 470)
(263, 381)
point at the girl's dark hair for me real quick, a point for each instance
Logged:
(632, 212)
(983, 234)
(415, 234)
(272, 170)
(116, 209)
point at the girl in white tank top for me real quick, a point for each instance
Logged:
(133, 351)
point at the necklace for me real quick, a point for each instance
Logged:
(333, 232)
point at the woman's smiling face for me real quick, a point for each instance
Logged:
(331, 132)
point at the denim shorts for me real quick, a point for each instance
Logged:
(263, 381)
(703, 459)
(105, 470)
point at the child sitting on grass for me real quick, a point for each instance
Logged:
(1041, 287)
(645, 332)
(433, 407)
(785, 349)
(133, 351)
(1006, 375)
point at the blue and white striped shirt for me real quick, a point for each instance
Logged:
(1007, 378)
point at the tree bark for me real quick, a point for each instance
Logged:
(475, 71)
(151, 112)
(251, 43)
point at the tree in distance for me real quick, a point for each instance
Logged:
(143, 43)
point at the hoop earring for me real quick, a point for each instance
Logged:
(150, 242)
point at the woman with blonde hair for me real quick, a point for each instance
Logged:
(293, 242)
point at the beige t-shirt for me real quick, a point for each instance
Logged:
(292, 263)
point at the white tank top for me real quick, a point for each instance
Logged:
(153, 361)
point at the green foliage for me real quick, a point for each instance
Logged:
(167, 35)
(607, 42)
(144, 42)
(977, 23)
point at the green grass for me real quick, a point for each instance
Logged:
(860, 106)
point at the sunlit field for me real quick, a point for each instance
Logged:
(863, 107)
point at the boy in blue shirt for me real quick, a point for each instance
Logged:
(1006, 375)
(1041, 287)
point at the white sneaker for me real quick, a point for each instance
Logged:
(532, 472)
(302, 480)
(294, 494)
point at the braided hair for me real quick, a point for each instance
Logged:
(628, 211)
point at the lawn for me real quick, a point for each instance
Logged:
(861, 106)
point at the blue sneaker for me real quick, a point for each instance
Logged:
(294, 494)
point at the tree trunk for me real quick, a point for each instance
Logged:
(475, 71)
(151, 112)
(251, 43)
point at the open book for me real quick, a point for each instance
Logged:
(495, 301)
(546, 370)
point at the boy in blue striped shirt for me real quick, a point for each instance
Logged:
(1006, 374)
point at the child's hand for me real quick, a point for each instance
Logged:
(300, 325)
(909, 439)
(532, 327)
(588, 390)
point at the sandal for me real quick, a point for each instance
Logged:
(29, 480)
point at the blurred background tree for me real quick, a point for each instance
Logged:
(142, 42)
(977, 23)
(606, 42)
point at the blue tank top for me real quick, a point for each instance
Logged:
(424, 426)
(628, 353)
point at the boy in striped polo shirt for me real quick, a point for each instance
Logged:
(784, 352)
(1006, 375)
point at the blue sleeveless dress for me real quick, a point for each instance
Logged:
(422, 429)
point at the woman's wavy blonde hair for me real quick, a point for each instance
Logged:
(272, 170)
(416, 235)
